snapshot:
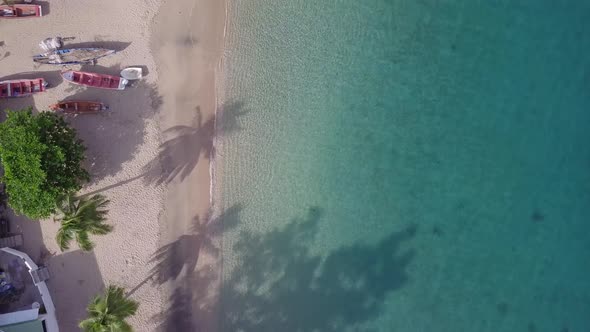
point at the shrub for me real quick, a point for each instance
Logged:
(42, 158)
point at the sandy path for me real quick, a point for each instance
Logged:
(188, 43)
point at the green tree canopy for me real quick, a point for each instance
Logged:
(42, 160)
(108, 313)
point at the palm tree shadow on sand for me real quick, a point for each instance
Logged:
(280, 285)
(194, 292)
(183, 254)
(180, 154)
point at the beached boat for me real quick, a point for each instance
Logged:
(132, 73)
(20, 11)
(21, 88)
(95, 80)
(79, 107)
(72, 56)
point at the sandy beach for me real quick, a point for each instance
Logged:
(150, 154)
(188, 45)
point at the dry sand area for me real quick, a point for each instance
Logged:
(149, 154)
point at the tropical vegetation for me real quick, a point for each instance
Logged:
(79, 217)
(107, 313)
(42, 161)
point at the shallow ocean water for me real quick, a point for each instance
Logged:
(406, 166)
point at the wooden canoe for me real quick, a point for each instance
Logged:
(20, 11)
(21, 88)
(79, 107)
(95, 80)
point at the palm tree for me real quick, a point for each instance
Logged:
(108, 313)
(80, 216)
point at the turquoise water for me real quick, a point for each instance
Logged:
(406, 166)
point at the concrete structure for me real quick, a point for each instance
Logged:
(25, 302)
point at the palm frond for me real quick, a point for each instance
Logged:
(84, 241)
(90, 325)
(120, 306)
(97, 306)
(64, 237)
(108, 312)
(122, 326)
(100, 229)
(81, 216)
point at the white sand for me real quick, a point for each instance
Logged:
(158, 183)
(188, 43)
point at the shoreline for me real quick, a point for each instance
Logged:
(188, 48)
(219, 92)
(219, 99)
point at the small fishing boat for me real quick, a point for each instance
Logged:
(21, 88)
(79, 107)
(72, 56)
(132, 73)
(20, 11)
(95, 80)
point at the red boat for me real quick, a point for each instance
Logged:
(21, 88)
(95, 80)
(20, 11)
(79, 107)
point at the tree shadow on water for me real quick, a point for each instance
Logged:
(280, 285)
(229, 115)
